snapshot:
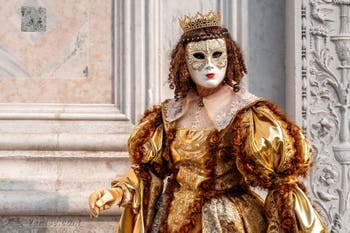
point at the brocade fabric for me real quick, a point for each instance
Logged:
(233, 208)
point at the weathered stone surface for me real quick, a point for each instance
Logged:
(33, 19)
(57, 224)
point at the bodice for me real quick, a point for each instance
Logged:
(198, 163)
(206, 170)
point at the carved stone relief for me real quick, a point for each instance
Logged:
(325, 105)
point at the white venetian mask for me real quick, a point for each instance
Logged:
(207, 61)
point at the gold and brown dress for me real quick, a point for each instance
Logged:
(197, 179)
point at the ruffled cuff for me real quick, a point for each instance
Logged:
(291, 211)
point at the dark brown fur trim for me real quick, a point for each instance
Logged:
(154, 118)
(146, 178)
(172, 183)
(170, 136)
(207, 188)
(169, 193)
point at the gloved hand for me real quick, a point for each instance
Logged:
(104, 199)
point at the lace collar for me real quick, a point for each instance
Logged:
(221, 107)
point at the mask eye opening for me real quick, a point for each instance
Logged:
(217, 54)
(199, 55)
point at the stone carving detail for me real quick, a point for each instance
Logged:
(326, 85)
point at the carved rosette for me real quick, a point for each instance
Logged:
(328, 78)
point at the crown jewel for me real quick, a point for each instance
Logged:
(200, 21)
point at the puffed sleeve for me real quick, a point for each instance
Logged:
(272, 153)
(143, 185)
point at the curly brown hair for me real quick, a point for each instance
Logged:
(179, 76)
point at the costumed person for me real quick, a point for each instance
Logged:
(195, 157)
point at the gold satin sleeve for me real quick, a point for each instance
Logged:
(273, 153)
(153, 147)
(131, 220)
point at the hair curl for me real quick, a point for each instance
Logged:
(179, 76)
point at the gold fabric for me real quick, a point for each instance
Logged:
(225, 212)
(267, 142)
(306, 215)
(235, 213)
(133, 218)
(153, 147)
(189, 149)
(270, 145)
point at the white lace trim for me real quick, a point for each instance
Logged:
(175, 109)
(238, 103)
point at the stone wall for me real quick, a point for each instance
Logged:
(75, 75)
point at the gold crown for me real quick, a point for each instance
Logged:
(200, 21)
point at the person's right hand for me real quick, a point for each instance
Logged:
(103, 199)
